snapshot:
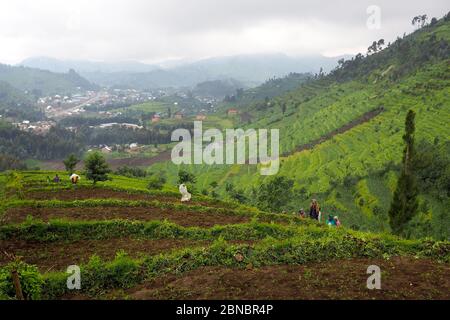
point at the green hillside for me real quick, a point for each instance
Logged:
(123, 235)
(353, 174)
(269, 89)
(12, 97)
(40, 82)
(16, 104)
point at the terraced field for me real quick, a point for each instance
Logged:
(335, 150)
(135, 243)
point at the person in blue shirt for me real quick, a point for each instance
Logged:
(331, 221)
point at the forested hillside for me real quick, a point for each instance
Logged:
(354, 173)
(40, 83)
(269, 89)
(16, 104)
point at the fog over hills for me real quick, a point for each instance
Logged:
(251, 70)
(85, 66)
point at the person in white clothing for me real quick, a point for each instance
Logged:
(185, 195)
(74, 178)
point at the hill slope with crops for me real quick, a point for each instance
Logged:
(139, 243)
(341, 136)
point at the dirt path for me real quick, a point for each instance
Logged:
(183, 218)
(356, 122)
(402, 278)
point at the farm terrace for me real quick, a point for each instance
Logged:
(214, 151)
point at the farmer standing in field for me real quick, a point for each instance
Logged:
(185, 195)
(74, 178)
(331, 221)
(314, 210)
(337, 221)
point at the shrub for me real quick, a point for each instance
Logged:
(186, 177)
(96, 167)
(275, 194)
(30, 280)
(70, 163)
(156, 182)
(131, 172)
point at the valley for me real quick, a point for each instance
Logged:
(87, 177)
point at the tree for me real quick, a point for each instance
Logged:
(372, 48)
(419, 20)
(283, 107)
(275, 194)
(71, 162)
(185, 177)
(156, 181)
(404, 203)
(376, 46)
(96, 167)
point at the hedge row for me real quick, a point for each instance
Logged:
(55, 230)
(130, 190)
(283, 218)
(97, 276)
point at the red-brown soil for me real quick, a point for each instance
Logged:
(183, 218)
(88, 193)
(98, 193)
(402, 278)
(59, 255)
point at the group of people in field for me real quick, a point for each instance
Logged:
(74, 178)
(315, 213)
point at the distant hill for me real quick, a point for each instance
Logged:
(217, 88)
(84, 66)
(250, 70)
(41, 82)
(15, 104)
(255, 69)
(12, 97)
(269, 89)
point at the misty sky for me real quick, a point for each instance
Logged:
(156, 30)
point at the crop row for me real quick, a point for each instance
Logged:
(125, 272)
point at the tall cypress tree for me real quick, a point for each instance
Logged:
(404, 203)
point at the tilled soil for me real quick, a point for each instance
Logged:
(183, 218)
(401, 278)
(59, 255)
(97, 193)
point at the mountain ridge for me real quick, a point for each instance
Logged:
(251, 70)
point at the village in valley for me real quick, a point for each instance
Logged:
(127, 110)
(196, 150)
